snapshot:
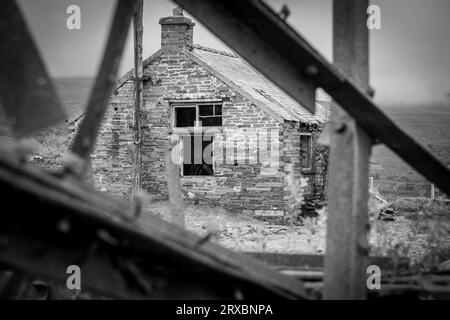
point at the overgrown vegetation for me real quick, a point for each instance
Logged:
(425, 235)
(46, 150)
(420, 232)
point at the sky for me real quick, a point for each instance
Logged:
(409, 55)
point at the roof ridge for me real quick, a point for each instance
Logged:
(224, 53)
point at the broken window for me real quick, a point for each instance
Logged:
(210, 115)
(306, 151)
(196, 152)
(198, 115)
(197, 155)
(185, 116)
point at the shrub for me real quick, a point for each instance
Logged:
(425, 240)
(411, 208)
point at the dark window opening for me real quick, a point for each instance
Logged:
(198, 155)
(210, 115)
(305, 152)
(185, 116)
(205, 115)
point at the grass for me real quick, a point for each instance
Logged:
(46, 150)
(413, 208)
(420, 232)
(242, 233)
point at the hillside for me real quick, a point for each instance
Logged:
(429, 124)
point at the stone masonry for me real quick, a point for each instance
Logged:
(243, 182)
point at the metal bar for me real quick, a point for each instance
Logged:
(85, 139)
(348, 194)
(27, 93)
(138, 71)
(248, 17)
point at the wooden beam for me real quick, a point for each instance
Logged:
(348, 194)
(89, 212)
(174, 182)
(314, 261)
(243, 31)
(27, 93)
(84, 141)
(299, 58)
(138, 88)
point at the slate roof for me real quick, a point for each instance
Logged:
(236, 72)
(246, 80)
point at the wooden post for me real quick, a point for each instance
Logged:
(371, 183)
(174, 183)
(84, 141)
(347, 244)
(433, 192)
(279, 42)
(138, 71)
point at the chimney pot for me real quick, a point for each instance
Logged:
(178, 11)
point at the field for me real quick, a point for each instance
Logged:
(417, 231)
(420, 232)
(430, 126)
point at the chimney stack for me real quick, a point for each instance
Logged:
(176, 31)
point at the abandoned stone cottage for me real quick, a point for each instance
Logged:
(251, 131)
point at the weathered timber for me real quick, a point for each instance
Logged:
(256, 40)
(119, 257)
(87, 133)
(174, 183)
(234, 21)
(138, 88)
(312, 261)
(27, 93)
(348, 190)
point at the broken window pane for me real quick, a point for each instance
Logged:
(210, 115)
(198, 155)
(206, 110)
(211, 121)
(185, 116)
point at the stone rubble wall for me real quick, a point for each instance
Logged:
(249, 186)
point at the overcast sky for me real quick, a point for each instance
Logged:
(409, 55)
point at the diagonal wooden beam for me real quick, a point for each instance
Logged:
(84, 141)
(27, 93)
(243, 31)
(76, 216)
(297, 56)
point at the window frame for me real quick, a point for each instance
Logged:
(181, 156)
(309, 152)
(197, 114)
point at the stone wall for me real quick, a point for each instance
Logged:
(292, 132)
(245, 180)
(111, 159)
(245, 184)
